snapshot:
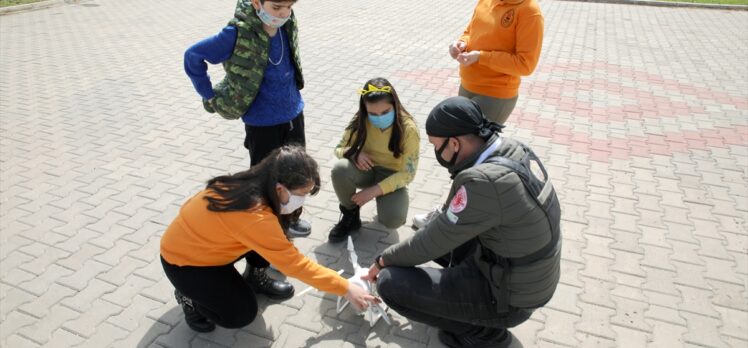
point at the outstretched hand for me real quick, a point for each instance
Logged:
(359, 297)
(372, 275)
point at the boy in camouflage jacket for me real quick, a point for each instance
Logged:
(259, 52)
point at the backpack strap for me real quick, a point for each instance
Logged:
(542, 194)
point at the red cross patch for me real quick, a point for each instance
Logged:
(459, 201)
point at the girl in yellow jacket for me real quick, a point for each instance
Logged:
(236, 214)
(379, 155)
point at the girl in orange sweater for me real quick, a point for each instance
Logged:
(232, 216)
(501, 43)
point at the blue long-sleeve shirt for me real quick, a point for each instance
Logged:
(277, 101)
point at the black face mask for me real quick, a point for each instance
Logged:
(444, 163)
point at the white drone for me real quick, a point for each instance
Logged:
(375, 310)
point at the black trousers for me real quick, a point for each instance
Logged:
(217, 292)
(457, 299)
(261, 141)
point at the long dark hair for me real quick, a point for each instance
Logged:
(288, 165)
(358, 123)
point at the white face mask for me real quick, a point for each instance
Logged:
(270, 20)
(294, 202)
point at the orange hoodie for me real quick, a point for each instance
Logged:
(509, 36)
(200, 237)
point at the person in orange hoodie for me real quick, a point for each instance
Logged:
(501, 43)
(232, 216)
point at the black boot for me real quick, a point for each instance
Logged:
(494, 338)
(195, 320)
(350, 220)
(258, 280)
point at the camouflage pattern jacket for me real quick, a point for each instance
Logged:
(246, 67)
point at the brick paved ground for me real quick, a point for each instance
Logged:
(640, 113)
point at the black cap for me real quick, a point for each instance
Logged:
(457, 116)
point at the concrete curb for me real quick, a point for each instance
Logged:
(35, 6)
(29, 7)
(670, 4)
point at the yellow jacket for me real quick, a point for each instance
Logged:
(376, 146)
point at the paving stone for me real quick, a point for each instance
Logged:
(594, 341)
(565, 299)
(628, 262)
(63, 338)
(86, 325)
(702, 330)
(596, 321)
(41, 305)
(11, 261)
(42, 332)
(14, 321)
(244, 339)
(631, 314)
(116, 252)
(559, 328)
(83, 276)
(597, 268)
(119, 273)
(19, 341)
(268, 323)
(735, 322)
(106, 334)
(123, 295)
(629, 286)
(12, 298)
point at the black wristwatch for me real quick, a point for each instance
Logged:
(376, 262)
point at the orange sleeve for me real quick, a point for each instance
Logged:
(529, 39)
(465, 37)
(266, 237)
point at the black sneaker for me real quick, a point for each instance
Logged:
(258, 280)
(194, 319)
(299, 228)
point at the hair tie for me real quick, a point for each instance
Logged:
(371, 89)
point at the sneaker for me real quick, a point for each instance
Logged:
(299, 228)
(194, 319)
(421, 220)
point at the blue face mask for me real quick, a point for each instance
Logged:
(270, 20)
(384, 121)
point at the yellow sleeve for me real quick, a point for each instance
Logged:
(404, 176)
(342, 148)
(529, 39)
(266, 237)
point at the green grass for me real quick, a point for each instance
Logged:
(721, 2)
(4, 3)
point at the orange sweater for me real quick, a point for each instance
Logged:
(200, 237)
(509, 36)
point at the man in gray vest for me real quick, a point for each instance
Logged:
(498, 237)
